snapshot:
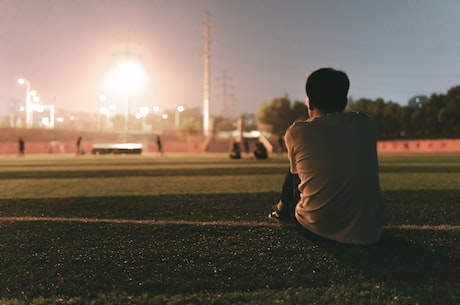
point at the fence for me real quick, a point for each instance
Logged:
(419, 146)
(196, 145)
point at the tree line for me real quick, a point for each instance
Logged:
(436, 116)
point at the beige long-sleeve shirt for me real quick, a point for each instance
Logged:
(336, 159)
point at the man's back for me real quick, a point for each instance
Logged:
(336, 160)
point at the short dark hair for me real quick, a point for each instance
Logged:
(327, 90)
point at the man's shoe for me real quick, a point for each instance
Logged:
(281, 216)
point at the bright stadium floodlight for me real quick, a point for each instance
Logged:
(128, 76)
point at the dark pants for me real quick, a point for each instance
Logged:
(290, 194)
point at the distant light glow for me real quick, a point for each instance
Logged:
(46, 121)
(103, 110)
(128, 75)
(251, 134)
(143, 111)
(37, 107)
(118, 146)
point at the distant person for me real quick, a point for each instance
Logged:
(159, 145)
(332, 188)
(261, 151)
(22, 146)
(79, 151)
(236, 151)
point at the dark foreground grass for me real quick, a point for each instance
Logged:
(87, 260)
(240, 259)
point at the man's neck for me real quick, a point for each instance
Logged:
(314, 113)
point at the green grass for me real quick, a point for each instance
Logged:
(228, 253)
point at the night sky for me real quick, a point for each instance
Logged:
(260, 49)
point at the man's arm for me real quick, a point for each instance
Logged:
(290, 149)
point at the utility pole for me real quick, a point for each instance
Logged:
(228, 98)
(207, 72)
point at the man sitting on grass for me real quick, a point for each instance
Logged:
(332, 188)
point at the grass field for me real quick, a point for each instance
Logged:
(192, 229)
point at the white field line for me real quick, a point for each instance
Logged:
(445, 227)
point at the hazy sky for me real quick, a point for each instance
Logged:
(261, 49)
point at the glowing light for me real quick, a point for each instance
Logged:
(144, 111)
(37, 108)
(128, 76)
(46, 121)
(118, 146)
(251, 134)
(103, 110)
(28, 110)
(177, 116)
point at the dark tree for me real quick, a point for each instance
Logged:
(280, 113)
